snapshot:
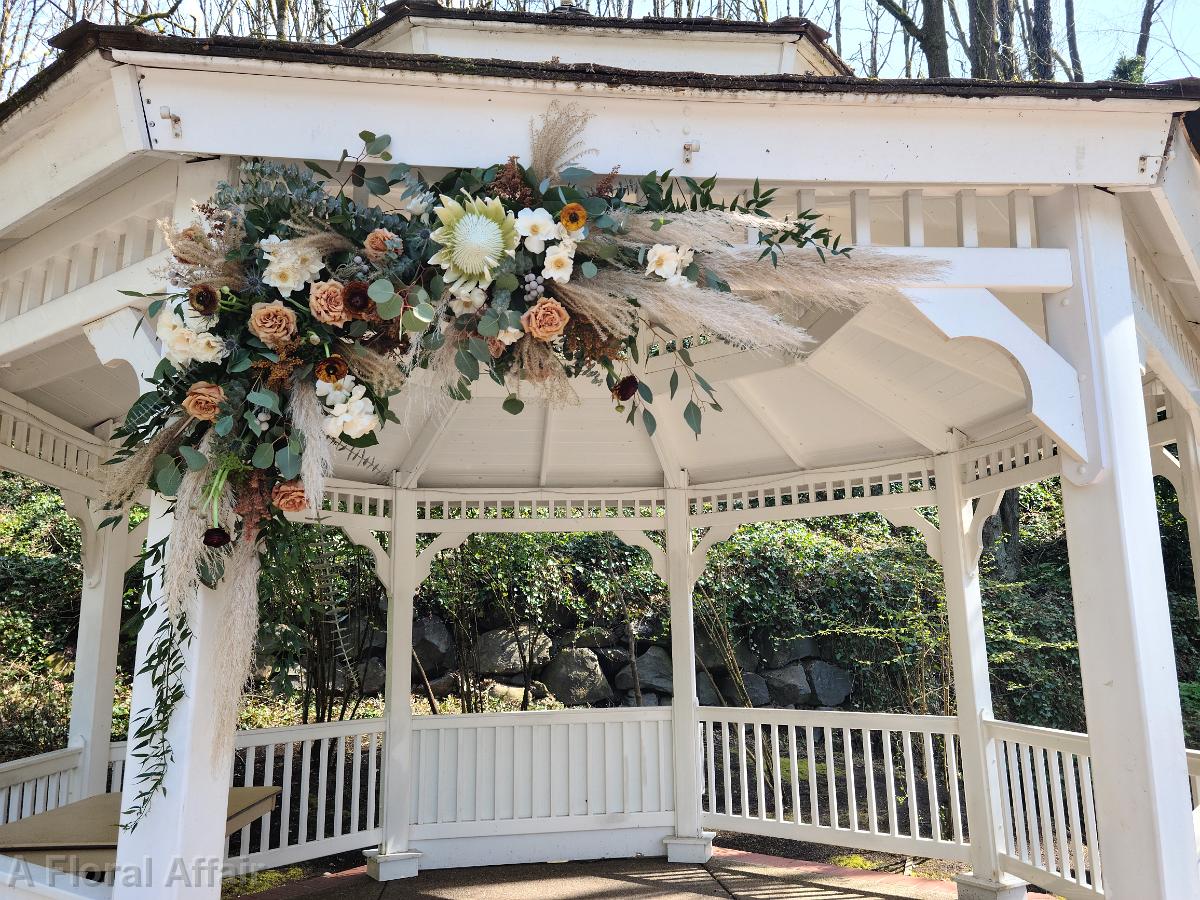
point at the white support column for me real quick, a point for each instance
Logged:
(177, 850)
(393, 859)
(690, 844)
(105, 554)
(972, 690)
(1130, 686)
(1188, 488)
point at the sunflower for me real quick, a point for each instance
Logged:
(475, 234)
(573, 216)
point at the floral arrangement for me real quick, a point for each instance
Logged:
(296, 313)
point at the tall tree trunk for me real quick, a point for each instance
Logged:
(1148, 11)
(930, 35)
(982, 24)
(1006, 59)
(1073, 41)
(1041, 37)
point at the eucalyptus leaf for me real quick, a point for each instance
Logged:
(588, 269)
(506, 281)
(674, 383)
(264, 456)
(649, 421)
(513, 404)
(194, 459)
(265, 398)
(389, 309)
(692, 415)
(381, 290)
(287, 461)
(466, 363)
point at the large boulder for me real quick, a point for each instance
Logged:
(654, 672)
(612, 659)
(712, 657)
(371, 677)
(433, 644)
(594, 636)
(756, 689)
(496, 652)
(442, 687)
(832, 684)
(790, 651)
(575, 678)
(789, 686)
(706, 694)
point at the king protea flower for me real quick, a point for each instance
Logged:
(475, 235)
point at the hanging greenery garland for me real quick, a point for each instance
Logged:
(296, 314)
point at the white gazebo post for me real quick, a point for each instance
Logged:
(105, 559)
(178, 848)
(972, 690)
(393, 859)
(1187, 485)
(1130, 686)
(690, 844)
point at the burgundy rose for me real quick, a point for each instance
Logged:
(216, 537)
(625, 388)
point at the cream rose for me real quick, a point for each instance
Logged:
(203, 401)
(327, 302)
(288, 496)
(272, 323)
(545, 320)
(376, 244)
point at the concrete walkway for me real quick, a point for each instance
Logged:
(730, 874)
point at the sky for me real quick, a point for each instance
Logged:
(1106, 29)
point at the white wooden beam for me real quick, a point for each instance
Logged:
(421, 451)
(547, 444)
(125, 337)
(768, 419)
(911, 518)
(1053, 385)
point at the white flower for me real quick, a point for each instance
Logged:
(335, 392)
(289, 268)
(679, 281)
(536, 226)
(269, 245)
(509, 336)
(566, 234)
(355, 417)
(182, 345)
(207, 347)
(193, 319)
(468, 301)
(685, 257)
(419, 205)
(306, 260)
(662, 260)
(285, 276)
(560, 261)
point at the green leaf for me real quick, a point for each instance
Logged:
(692, 414)
(239, 363)
(479, 349)
(377, 145)
(264, 455)
(389, 309)
(467, 364)
(365, 136)
(370, 439)
(224, 426)
(674, 383)
(644, 392)
(377, 185)
(381, 290)
(155, 308)
(424, 312)
(575, 174)
(489, 324)
(595, 206)
(287, 461)
(167, 476)
(588, 269)
(265, 398)
(315, 167)
(513, 404)
(506, 281)
(194, 459)
(649, 421)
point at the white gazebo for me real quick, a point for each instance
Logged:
(1057, 341)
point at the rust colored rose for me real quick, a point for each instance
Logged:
(204, 299)
(331, 369)
(545, 320)
(272, 323)
(573, 216)
(625, 388)
(496, 347)
(203, 401)
(288, 496)
(358, 301)
(327, 303)
(376, 244)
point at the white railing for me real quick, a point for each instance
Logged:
(865, 780)
(37, 784)
(1046, 804)
(541, 772)
(330, 780)
(544, 509)
(39, 445)
(1010, 462)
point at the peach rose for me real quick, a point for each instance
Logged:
(289, 496)
(272, 323)
(545, 320)
(203, 401)
(327, 302)
(376, 244)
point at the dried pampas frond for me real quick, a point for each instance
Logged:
(555, 140)
(317, 240)
(124, 480)
(316, 462)
(200, 256)
(186, 551)
(540, 367)
(233, 656)
(382, 373)
(611, 315)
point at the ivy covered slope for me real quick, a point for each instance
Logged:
(864, 590)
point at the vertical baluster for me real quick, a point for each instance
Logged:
(910, 782)
(1060, 825)
(339, 785)
(728, 773)
(743, 774)
(831, 777)
(967, 214)
(952, 783)
(58, 273)
(1080, 876)
(814, 807)
(1026, 755)
(355, 781)
(869, 775)
(305, 800)
(777, 772)
(247, 781)
(372, 770)
(759, 771)
(914, 219)
(285, 802)
(794, 771)
(806, 200)
(264, 830)
(860, 217)
(851, 790)
(711, 787)
(1043, 797)
(322, 786)
(1015, 779)
(33, 288)
(1089, 812)
(1020, 219)
(935, 812)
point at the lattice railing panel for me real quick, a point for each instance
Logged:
(52, 452)
(549, 510)
(1151, 298)
(1029, 457)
